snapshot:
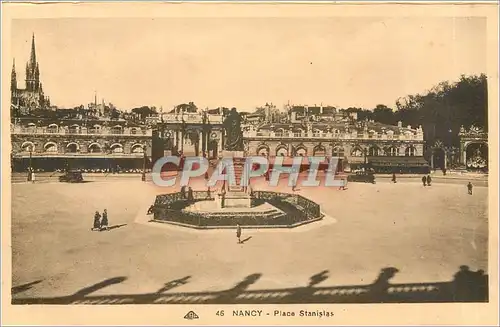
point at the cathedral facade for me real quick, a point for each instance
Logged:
(32, 96)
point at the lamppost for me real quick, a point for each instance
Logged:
(30, 167)
(143, 175)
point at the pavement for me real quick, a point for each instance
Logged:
(426, 233)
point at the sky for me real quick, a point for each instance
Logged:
(246, 62)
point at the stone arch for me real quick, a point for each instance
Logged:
(319, 150)
(26, 146)
(73, 147)
(137, 148)
(116, 148)
(281, 150)
(95, 148)
(50, 147)
(263, 150)
(300, 150)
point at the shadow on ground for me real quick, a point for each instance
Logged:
(466, 286)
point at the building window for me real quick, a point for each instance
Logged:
(74, 129)
(410, 151)
(51, 147)
(52, 128)
(374, 151)
(263, 152)
(282, 151)
(72, 148)
(94, 148)
(116, 148)
(116, 130)
(137, 149)
(301, 152)
(393, 151)
(28, 147)
(338, 152)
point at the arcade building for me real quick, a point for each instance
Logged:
(305, 131)
(314, 131)
(100, 145)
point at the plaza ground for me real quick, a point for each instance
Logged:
(426, 233)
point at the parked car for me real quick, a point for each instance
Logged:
(361, 177)
(72, 176)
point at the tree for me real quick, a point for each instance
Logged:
(384, 114)
(446, 107)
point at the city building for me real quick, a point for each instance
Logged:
(190, 133)
(323, 131)
(96, 145)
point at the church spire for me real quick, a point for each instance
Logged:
(33, 51)
(13, 77)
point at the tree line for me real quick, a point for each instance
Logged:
(441, 111)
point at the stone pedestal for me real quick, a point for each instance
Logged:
(236, 196)
(237, 200)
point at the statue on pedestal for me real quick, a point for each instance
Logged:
(234, 134)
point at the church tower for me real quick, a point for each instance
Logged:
(13, 78)
(32, 70)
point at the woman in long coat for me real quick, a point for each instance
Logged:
(97, 221)
(104, 221)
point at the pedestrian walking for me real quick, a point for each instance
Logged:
(343, 182)
(424, 180)
(33, 176)
(97, 221)
(429, 180)
(469, 188)
(209, 193)
(394, 177)
(238, 233)
(183, 191)
(104, 221)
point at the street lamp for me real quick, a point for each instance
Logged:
(30, 169)
(143, 176)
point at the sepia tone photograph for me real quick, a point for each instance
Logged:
(358, 151)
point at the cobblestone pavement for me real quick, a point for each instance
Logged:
(426, 233)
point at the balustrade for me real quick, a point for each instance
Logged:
(79, 131)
